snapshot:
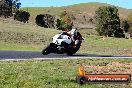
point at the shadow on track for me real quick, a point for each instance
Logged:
(36, 54)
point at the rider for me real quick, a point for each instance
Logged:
(72, 34)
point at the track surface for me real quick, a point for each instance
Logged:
(28, 55)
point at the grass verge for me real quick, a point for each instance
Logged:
(50, 73)
(106, 46)
(20, 47)
(18, 36)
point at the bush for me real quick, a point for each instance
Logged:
(45, 20)
(119, 33)
(65, 21)
(22, 16)
(125, 26)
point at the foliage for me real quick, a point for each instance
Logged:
(108, 22)
(125, 25)
(45, 20)
(8, 7)
(119, 33)
(22, 16)
(60, 24)
(65, 21)
(13, 3)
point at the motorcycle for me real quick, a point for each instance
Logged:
(65, 42)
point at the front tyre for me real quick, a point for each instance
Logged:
(47, 50)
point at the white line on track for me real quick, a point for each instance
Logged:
(65, 58)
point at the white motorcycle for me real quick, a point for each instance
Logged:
(65, 42)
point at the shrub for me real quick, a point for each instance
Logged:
(45, 20)
(125, 26)
(65, 21)
(22, 16)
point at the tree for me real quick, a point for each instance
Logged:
(16, 5)
(107, 21)
(125, 26)
(13, 4)
(65, 21)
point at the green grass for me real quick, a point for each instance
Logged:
(14, 26)
(91, 45)
(49, 73)
(94, 44)
(20, 47)
(109, 46)
(24, 36)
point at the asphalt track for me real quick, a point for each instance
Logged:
(6, 55)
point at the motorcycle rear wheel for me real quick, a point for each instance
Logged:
(72, 51)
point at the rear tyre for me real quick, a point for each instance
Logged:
(71, 50)
(69, 53)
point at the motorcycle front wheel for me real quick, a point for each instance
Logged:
(47, 50)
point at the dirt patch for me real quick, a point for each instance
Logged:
(110, 68)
